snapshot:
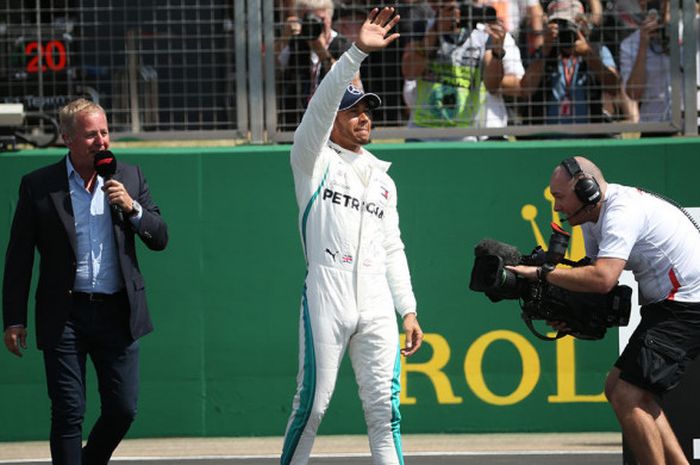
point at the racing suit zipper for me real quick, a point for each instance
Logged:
(360, 242)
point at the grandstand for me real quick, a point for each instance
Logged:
(209, 69)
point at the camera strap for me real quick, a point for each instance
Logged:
(531, 327)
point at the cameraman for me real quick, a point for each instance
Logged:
(627, 228)
(306, 49)
(567, 77)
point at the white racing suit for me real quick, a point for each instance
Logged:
(357, 276)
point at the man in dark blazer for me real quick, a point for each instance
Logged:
(90, 298)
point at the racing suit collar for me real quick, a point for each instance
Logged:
(350, 156)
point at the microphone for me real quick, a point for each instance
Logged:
(509, 254)
(568, 218)
(106, 166)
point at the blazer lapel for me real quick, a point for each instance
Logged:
(117, 225)
(61, 200)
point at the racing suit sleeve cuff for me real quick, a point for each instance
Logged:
(406, 312)
(355, 54)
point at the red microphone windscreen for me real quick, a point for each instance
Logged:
(105, 164)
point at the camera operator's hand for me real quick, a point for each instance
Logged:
(560, 326)
(582, 47)
(649, 28)
(497, 33)
(527, 272)
(373, 33)
(292, 27)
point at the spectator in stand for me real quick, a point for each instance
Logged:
(523, 19)
(416, 16)
(613, 28)
(461, 71)
(306, 50)
(566, 79)
(645, 64)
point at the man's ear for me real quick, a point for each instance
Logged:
(66, 139)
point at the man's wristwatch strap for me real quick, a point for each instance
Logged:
(498, 55)
(543, 271)
(135, 209)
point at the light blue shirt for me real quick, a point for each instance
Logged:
(97, 259)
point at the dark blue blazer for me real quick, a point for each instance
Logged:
(44, 220)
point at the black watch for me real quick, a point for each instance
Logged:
(498, 55)
(135, 209)
(544, 270)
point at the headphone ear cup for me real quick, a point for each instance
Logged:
(587, 190)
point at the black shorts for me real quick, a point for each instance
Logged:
(663, 345)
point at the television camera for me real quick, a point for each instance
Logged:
(587, 315)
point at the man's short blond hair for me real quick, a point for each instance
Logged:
(302, 5)
(68, 113)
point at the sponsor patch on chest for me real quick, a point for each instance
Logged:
(352, 202)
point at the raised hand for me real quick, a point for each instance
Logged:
(648, 28)
(582, 47)
(497, 32)
(373, 33)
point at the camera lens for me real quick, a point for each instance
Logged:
(567, 33)
(311, 27)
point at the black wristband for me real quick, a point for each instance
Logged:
(498, 55)
(543, 271)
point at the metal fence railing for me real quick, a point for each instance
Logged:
(156, 66)
(433, 80)
(230, 68)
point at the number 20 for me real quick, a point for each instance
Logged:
(50, 52)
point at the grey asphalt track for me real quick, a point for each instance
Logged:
(467, 459)
(443, 449)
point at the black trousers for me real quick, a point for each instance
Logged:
(98, 329)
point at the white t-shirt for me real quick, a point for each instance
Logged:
(659, 243)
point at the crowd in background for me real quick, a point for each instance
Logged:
(489, 63)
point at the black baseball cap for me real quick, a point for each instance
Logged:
(353, 95)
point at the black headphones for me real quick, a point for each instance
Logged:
(586, 188)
